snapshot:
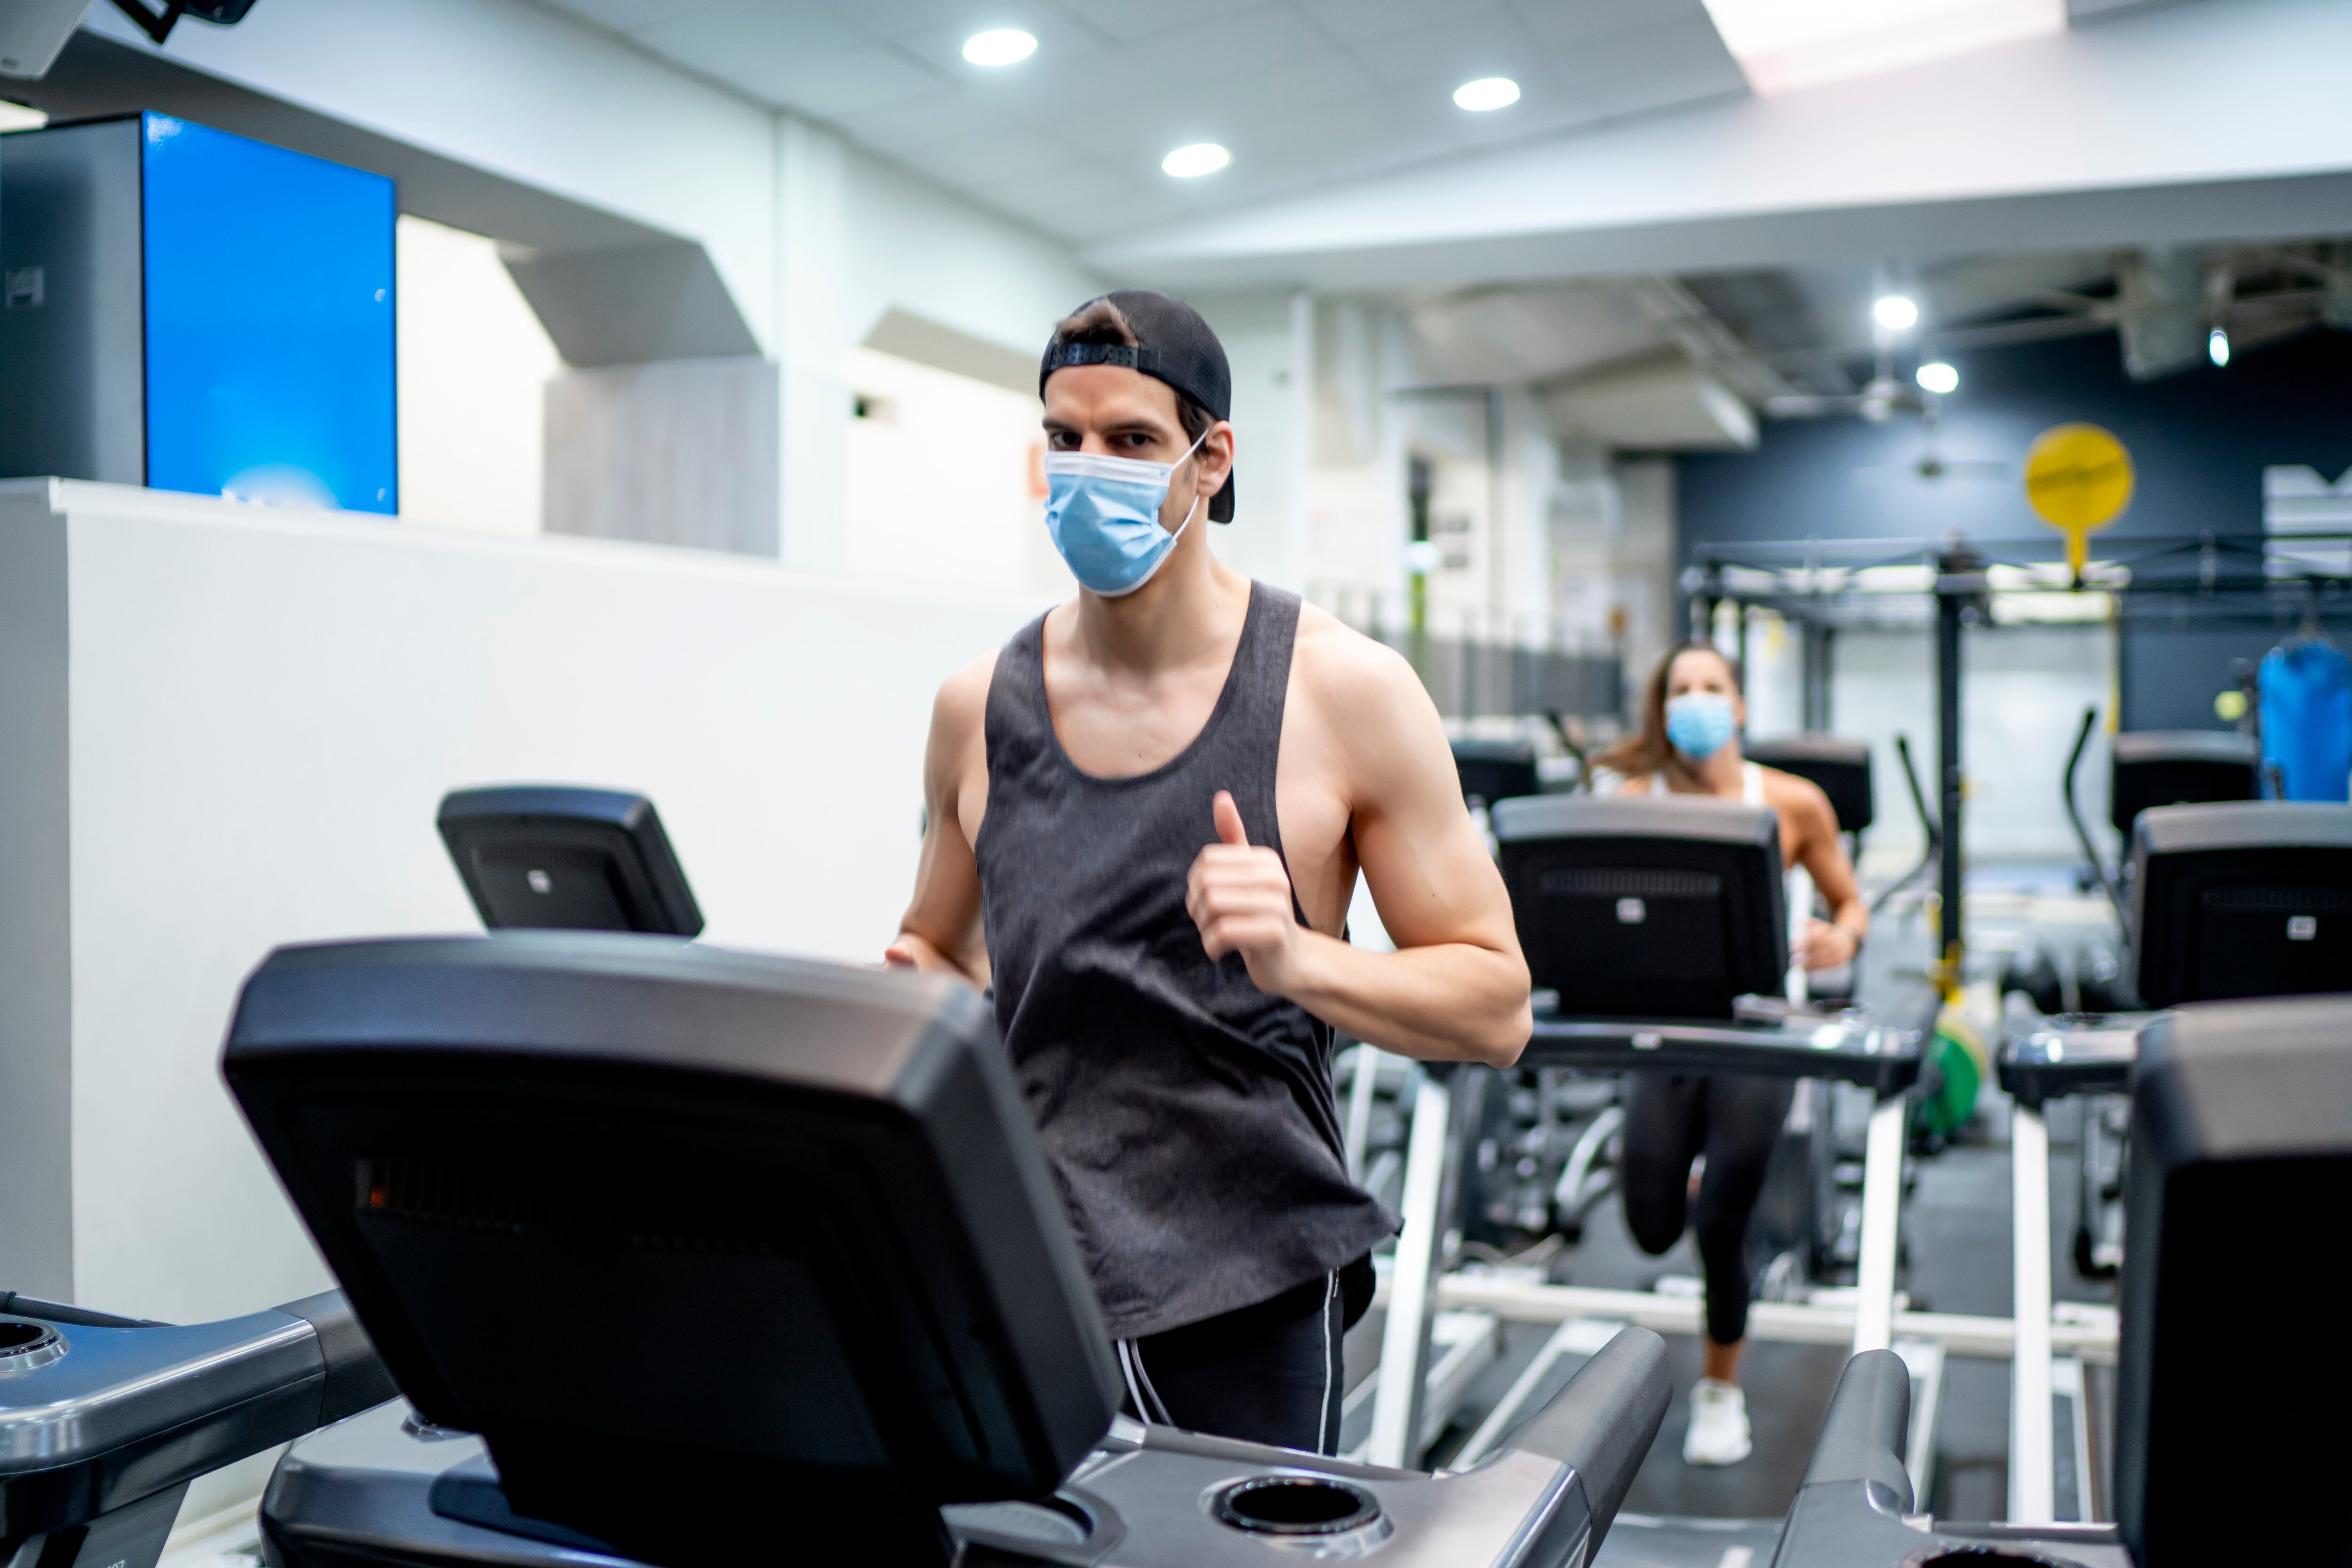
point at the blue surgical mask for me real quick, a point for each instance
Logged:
(1699, 723)
(1104, 515)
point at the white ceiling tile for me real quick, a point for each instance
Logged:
(1568, 22)
(1060, 37)
(1348, 21)
(1127, 19)
(623, 15)
(943, 118)
(1305, 92)
(733, 40)
(1651, 67)
(1064, 194)
(1495, 44)
(868, 78)
(1002, 156)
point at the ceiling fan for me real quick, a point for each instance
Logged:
(1931, 465)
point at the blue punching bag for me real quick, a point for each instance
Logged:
(2306, 687)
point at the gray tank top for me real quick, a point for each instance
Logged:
(1187, 1116)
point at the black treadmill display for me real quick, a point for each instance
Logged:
(2244, 898)
(697, 1241)
(1638, 908)
(559, 857)
(2255, 939)
(548, 886)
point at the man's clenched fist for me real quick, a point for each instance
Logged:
(1239, 895)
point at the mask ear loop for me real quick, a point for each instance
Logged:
(1189, 452)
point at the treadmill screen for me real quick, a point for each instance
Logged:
(1638, 907)
(2272, 940)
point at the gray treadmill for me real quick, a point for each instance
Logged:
(1655, 934)
(687, 1257)
(2229, 899)
(105, 1420)
(2226, 1451)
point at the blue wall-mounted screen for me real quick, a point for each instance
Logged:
(269, 322)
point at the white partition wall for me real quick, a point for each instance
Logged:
(222, 729)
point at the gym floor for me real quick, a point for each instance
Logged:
(1957, 1258)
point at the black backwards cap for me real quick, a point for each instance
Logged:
(1172, 345)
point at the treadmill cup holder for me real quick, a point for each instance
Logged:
(1305, 1508)
(26, 1346)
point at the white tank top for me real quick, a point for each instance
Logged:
(1751, 783)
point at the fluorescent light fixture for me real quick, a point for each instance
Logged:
(1896, 313)
(1487, 92)
(1937, 377)
(2217, 346)
(999, 46)
(1784, 45)
(1192, 163)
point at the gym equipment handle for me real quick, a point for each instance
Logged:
(356, 1379)
(1867, 1428)
(1604, 1421)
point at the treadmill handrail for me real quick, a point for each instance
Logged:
(2091, 1054)
(128, 1412)
(1876, 1056)
(2083, 833)
(1602, 1422)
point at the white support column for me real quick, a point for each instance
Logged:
(1882, 1206)
(812, 335)
(2031, 1499)
(1404, 1343)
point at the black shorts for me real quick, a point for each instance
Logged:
(1268, 1372)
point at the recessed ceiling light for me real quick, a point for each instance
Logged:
(1937, 377)
(1002, 47)
(1200, 158)
(2217, 346)
(1896, 313)
(1487, 92)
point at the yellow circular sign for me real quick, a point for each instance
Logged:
(2077, 476)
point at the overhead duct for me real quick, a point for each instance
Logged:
(2164, 315)
(1656, 404)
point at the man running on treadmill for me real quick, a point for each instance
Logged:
(1146, 814)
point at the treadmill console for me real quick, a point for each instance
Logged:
(2176, 767)
(699, 1258)
(2225, 1452)
(1639, 907)
(1493, 771)
(556, 857)
(2246, 899)
(1840, 766)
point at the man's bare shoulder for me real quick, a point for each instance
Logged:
(1340, 669)
(962, 700)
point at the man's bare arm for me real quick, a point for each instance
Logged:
(941, 928)
(1456, 987)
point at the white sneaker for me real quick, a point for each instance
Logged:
(1718, 1425)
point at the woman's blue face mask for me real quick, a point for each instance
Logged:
(1104, 515)
(1700, 723)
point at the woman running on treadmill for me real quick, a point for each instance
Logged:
(1692, 714)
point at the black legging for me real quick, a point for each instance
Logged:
(1670, 1119)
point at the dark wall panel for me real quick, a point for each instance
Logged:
(2199, 441)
